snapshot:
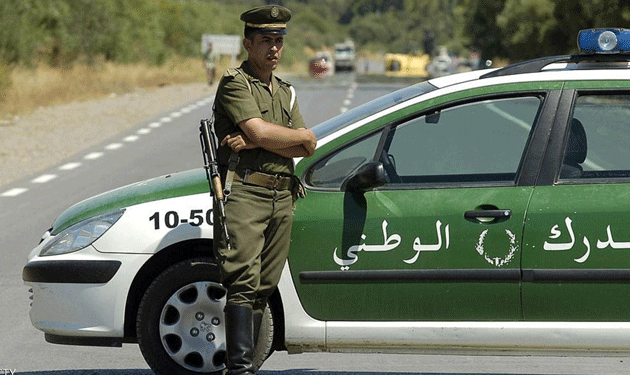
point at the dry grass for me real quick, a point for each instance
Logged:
(45, 86)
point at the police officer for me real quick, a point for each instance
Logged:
(258, 119)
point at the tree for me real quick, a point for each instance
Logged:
(478, 29)
(526, 27)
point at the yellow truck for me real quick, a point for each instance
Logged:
(402, 65)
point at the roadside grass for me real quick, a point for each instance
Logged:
(45, 86)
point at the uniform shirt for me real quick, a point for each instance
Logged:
(237, 101)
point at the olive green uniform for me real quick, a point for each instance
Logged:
(258, 215)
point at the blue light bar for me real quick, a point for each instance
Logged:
(604, 41)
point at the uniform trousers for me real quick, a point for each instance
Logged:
(259, 223)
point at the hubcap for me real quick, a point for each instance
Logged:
(192, 327)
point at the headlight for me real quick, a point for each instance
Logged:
(82, 234)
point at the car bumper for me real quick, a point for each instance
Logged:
(80, 298)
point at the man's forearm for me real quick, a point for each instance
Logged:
(276, 137)
(292, 152)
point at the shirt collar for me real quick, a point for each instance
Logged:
(274, 80)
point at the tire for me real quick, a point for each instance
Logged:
(180, 321)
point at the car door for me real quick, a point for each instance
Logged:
(577, 234)
(441, 239)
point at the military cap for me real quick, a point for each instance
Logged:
(268, 19)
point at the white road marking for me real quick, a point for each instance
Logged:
(349, 95)
(44, 178)
(155, 125)
(131, 138)
(14, 192)
(69, 166)
(508, 116)
(113, 146)
(144, 131)
(93, 156)
(166, 119)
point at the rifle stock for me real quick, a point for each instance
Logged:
(211, 165)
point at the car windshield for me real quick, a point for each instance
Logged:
(330, 126)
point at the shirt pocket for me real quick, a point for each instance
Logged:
(266, 112)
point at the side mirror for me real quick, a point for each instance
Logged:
(433, 118)
(368, 176)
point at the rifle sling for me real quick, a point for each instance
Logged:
(229, 176)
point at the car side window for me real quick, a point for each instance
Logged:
(332, 170)
(597, 141)
(475, 142)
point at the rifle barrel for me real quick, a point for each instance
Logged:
(208, 146)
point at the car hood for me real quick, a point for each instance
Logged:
(168, 186)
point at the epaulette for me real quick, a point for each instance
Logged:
(231, 72)
(283, 82)
(234, 72)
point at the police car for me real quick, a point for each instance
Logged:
(481, 212)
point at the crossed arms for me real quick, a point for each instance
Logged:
(286, 142)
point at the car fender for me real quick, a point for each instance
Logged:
(149, 227)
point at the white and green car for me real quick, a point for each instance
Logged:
(483, 212)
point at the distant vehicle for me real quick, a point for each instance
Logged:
(320, 65)
(441, 65)
(401, 65)
(344, 56)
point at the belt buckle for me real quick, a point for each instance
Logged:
(275, 182)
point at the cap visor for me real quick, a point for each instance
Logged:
(272, 31)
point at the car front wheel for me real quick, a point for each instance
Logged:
(180, 321)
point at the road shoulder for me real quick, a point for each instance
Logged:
(50, 135)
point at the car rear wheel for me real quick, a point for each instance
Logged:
(180, 321)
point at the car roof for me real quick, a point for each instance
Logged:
(565, 67)
(453, 79)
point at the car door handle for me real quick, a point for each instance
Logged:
(488, 216)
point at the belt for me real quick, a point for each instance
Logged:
(269, 181)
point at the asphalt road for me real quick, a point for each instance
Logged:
(165, 144)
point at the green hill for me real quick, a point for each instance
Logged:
(62, 32)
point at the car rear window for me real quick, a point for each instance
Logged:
(596, 146)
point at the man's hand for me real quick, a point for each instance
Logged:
(310, 142)
(238, 141)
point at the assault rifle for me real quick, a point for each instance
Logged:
(209, 150)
